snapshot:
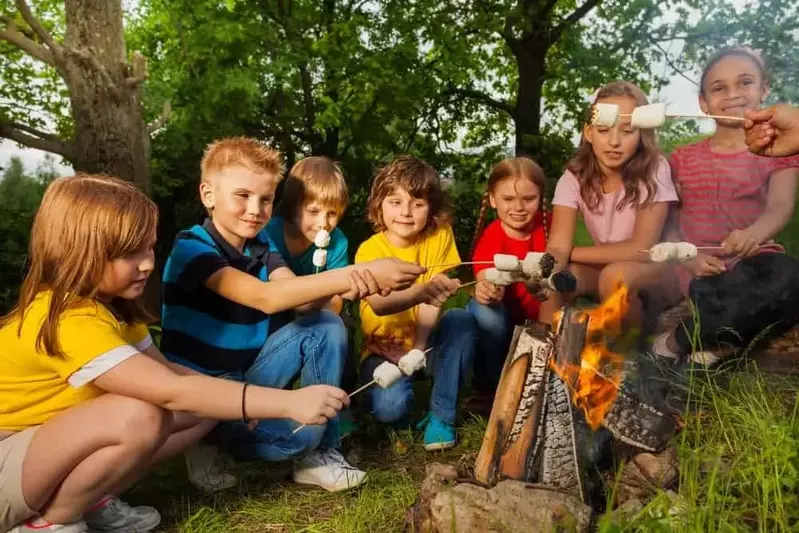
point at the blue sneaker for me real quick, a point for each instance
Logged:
(438, 435)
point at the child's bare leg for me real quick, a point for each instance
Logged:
(587, 283)
(83, 454)
(658, 280)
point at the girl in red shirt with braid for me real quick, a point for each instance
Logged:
(516, 189)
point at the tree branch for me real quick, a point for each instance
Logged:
(29, 46)
(42, 141)
(88, 55)
(138, 71)
(37, 27)
(670, 63)
(162, 119)
(575, 17)
(483, 98)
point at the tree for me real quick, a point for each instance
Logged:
(106, 131)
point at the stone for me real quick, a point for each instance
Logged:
(445, 505)
(645, 474)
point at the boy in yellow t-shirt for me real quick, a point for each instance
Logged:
(408, 210)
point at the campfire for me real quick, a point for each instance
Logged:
(562, 394)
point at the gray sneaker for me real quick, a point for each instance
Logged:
(40, 526)
(116, 516)
(206, 466)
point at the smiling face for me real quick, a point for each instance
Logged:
(125, 277)
(614, 146)
(240, 201)
(404, 216)
(516, 201)
(731, 86)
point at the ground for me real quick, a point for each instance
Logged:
(739, 471)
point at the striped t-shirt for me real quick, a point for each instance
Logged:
(201, 328)
(721, 192)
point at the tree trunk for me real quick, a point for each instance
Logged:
(531, 61)
(110, 134)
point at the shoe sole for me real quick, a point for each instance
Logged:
(439, 446)
(312, 482)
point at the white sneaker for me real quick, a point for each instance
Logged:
(327, 469)
(114, 515)
(42, 526)
(206, 466)
(705, 358)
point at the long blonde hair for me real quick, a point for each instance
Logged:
(84, 222)
(514, 168)
(641, 168)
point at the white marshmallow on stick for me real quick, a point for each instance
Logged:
(686, 251)
(386, 374)
(605, 115)
(502, 278)
(531, 266)
(649, 116)
(506, 262)
(322, 239)
(672, 251)
(412, 361)
(319, 258)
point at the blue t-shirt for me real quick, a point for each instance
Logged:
(302, 265)
(200, 327)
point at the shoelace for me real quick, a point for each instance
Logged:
(334, 458)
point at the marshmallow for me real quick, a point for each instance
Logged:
(649, 116)
(319, 258)
(502, 278)
(686, 251)
(386, 374)
(605, 115)
(322, 239)
(506, 262)
(662, 252)
(532, 266)
(412, 361)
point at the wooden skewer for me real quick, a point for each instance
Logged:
(353, 393)
(468, 284)
(723, 117)
(452, 265)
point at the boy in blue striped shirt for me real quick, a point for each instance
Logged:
(224, 279)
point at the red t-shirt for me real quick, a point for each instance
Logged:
(521, 305)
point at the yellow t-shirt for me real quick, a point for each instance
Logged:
(387, 333)
(35, 386)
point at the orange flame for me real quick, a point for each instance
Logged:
(595, 382)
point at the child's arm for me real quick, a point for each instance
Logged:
(286, 273)
(561, 235)
(435, 293)
(292, 292)
(649, 223)
(779, 210)
(144, 378)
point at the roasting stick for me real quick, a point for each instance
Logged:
(699, 249)
(669, 115)
(356, 391)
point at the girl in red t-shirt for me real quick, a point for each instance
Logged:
(516, 189)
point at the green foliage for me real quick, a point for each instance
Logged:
(20, 195)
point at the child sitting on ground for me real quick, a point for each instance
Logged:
(313, 200)
(224, 279)
(89, 404)
(409, 211)
(621, 185)
(735, 199)
(516, 190)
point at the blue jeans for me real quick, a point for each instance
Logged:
(453, 341)
(494, 333)
(313, 346)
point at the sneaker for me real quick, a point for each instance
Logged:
(112, 514)
(41, 525)
(327, 469)
(438, 435)
(206, 466)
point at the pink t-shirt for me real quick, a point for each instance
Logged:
(606, 223)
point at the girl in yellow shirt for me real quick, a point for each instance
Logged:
(410, 214)
(87, 402)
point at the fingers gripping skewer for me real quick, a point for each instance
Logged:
(387, 373)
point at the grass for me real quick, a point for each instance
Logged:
(738, 452)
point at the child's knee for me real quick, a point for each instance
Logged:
(331, 326)
(611, 276)
(487, 317)
(458, 324)
(141, 424)
(388, 406)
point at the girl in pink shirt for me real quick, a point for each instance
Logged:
(739, 201)
(621, 186)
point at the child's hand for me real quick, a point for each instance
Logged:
(362, 284)
(740, 243)
(316, 404)
(393, 274)
(439, 289)
(773, 131)
(486, 293)
(704, 265)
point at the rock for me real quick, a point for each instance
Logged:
(509, 506)
(646, 473)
